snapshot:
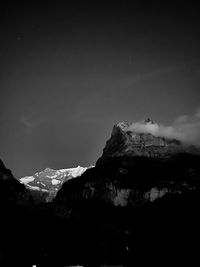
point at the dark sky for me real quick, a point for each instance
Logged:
(69, 72)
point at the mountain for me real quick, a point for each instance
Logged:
(136, 168)
(126, 142)
(139, 204)
(12, 193)
(44, 185)
(16, 205)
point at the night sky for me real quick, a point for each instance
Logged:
(69, 72)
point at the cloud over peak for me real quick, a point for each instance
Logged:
(184, 128)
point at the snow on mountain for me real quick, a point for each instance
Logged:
(51, 180)
(55, 181)
(75, 172)
(27, 179)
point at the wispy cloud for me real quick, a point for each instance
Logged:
(156, 73)
(185, 128)
(31, 121)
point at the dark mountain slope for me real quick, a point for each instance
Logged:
(11, 191)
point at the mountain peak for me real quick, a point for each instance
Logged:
(138, 139)
(149, 121)
(123, 125)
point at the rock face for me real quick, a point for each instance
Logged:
(44, 185)
(135, 168)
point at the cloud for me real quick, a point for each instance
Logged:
(156, 130)
(190, 128)
(156, 73)
(152, 74)
(185, 128)
(31, 122)
(198, 114)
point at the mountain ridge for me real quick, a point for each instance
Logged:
(49, 181)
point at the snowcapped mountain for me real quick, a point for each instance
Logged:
(50, 181)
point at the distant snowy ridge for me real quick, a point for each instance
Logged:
(51, 180)
(27, 179)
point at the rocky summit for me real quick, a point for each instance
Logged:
(125, 141)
